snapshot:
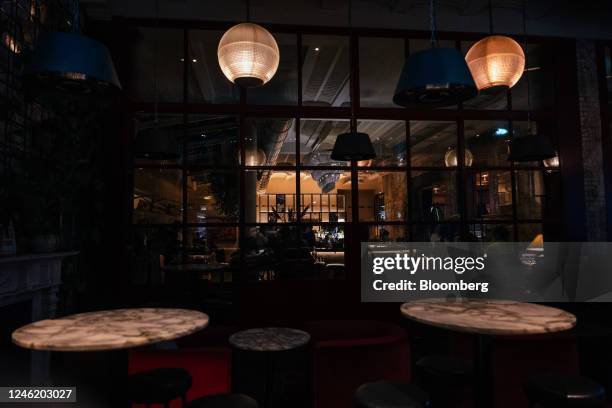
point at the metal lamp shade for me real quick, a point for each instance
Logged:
(531, 148)
(72, 64)
(353, 146)
(435, 77)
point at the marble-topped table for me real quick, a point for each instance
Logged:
(109, 329)
(483, 316)
(268, 341)
(112, 332)
(488, 317)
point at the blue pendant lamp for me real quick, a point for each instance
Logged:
(434, 78)
(72, 64)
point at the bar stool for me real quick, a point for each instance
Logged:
(551, 390)
(444, 378)
(159, 386)
(386, 394)
(224, 401)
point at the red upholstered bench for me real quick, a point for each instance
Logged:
(349, 353)
(210, 368)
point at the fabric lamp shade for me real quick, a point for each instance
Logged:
(353, 146)
(248, 55)
(533, 147)
(435, 77)
(496, 63)
(72, 64)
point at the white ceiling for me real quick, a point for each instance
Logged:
(564, 18)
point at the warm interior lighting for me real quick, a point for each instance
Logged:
(552, 162)
(450, 158)
(496, 62)
(248, 55)
(537, 244)
(11, 43)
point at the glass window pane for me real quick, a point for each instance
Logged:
(492, 232)
(152, 249)
(443, 232)
(270, 142)
(497, 100)
(388, 233)
(552, 195)
(389, 140)
(211, 254)
(377, 81)
(158, 194)
(489, 195)
(434, 196)
(157, 64)
(158, 143)
(282, 88)
(529, 194)
(540, 68)
(212, 140)
(213, 196)
(382, 196)
(325, 70)
(487, 142)
(317, 138)
(207, 84)
(325, 196)
(270, 196)
(429, 142)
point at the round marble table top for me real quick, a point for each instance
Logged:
(483, 316)
(269, 339)
(110, 329)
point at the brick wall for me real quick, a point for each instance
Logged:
(591, 133)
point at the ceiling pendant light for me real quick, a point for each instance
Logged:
(496, 62)
(435, 77)
(70, 63)
(248, 54)
(534, 146)
(450, 158)
(353, 146)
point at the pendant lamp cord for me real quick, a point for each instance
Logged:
(526, 71)
(155, 81)
(432, 23)
(248, 10)
(353, 123)
(490, 16)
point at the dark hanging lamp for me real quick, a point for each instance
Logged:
(70, 63)
(534, 146)
(435, 77)
(353, 145)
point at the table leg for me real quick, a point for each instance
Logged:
(482, 383)
(269, 363)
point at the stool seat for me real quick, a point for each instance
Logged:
(560, 390)
(224, 401)
(447, 369)
(159, 385)
(386, 394)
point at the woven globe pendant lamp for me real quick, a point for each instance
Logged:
(496, 63)
(248, 55)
